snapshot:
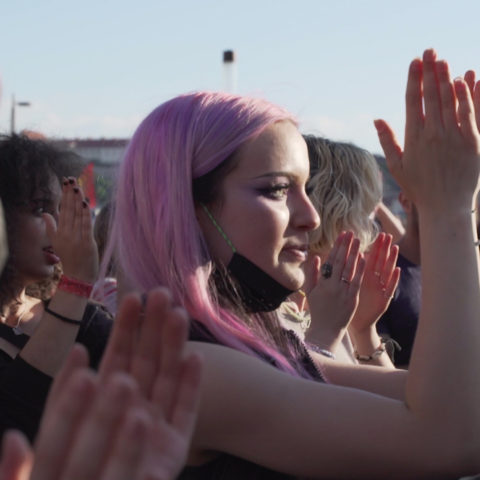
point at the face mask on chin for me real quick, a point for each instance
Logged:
(258, 291)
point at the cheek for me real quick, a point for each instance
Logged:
(258, 228)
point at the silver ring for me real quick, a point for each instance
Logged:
(377, 274)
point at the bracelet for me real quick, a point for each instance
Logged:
(322, 351)
(368, 358)
(77, 287)
(61, 317)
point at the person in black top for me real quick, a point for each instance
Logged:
(40, 321)
(400, 320)
(211, 202)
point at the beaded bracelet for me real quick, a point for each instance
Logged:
(62, 318)
(368, 358)
(77, 287)
(321, 351)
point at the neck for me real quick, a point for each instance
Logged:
(409, 246)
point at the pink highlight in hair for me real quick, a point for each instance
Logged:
(155, 234)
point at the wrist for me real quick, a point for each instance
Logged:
(75, 286)
(373, 355)
(367, 336)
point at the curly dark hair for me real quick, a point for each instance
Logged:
(27, 166)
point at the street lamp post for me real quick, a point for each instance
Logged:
(12, 115)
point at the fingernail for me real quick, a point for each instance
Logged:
(71, 181)
(84, 203)
(75, 189)
(65, 182)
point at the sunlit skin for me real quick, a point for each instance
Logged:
(263, 207)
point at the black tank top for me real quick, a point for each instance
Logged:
(229, 467)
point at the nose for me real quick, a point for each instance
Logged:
(305, 216)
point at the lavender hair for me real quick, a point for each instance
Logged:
(156, 238)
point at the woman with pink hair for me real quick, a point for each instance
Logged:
(211, 203)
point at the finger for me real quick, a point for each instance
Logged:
(99, 428)
(413, 100)
(356, 282)
(476, 103)
(119, 352)
(125, 461)
(60, 426)
(469, 78)
(76, 360)
(78, 200)
(466, 115)
(331, 256)
(391, 148)
(146, 357)
(447, 95)
(371, 260)
(312, 272)
(187, 398)
(431, 93)
(392, 285)
(382, 257)
(86, 221)
(173, 339)
(338, 262)
(390, 263)
(351, 261)
(17, 457)
(67, 210)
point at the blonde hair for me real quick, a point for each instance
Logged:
(345, 187)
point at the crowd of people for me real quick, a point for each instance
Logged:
(257, 312)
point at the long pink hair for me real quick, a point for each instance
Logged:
(155, 236)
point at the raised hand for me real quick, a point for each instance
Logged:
(379, 282)
(72, 239)
(132, 421)
(168, 379)
(334, 298)
(434, 137)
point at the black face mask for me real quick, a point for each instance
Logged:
(258, 291)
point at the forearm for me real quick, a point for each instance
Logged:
(389, 222)
(49, 346)
(443, 382)
(325, 338)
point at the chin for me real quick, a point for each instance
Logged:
(293, 280)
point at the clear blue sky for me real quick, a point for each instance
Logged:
(96, 68)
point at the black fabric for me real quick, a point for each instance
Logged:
(258, 290)
(401, 318)
(24, 389)
(229, 467)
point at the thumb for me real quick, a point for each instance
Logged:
(312, 273)
(51, 226)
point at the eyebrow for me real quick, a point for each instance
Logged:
(277, 174)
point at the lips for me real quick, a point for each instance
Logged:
(50, 256)
(297, 251)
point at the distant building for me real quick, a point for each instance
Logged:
(105, 154)
(102, 151)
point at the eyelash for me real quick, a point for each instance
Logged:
(275, 192)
